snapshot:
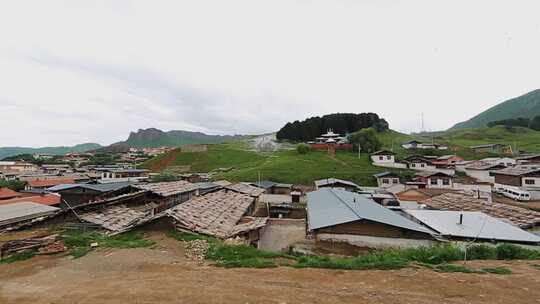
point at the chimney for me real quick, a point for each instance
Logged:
(461, 219)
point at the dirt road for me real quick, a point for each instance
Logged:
(164, 275)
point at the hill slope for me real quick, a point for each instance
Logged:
(10, 151)
(527, 106)
(152, 137)
(285, 166)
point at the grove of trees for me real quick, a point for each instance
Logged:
(342, 123)
(367, 139)
(531, 123)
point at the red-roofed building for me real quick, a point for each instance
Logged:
(6, 193)
(47, 183)
(46, 199)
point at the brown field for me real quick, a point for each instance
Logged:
(164, 275)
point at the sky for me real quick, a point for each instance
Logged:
(92, 71)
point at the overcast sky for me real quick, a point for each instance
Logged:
(92, 71)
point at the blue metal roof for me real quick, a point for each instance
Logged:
(329, 207)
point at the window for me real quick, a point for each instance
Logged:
(422, 165)
(396, 181)
(530, 182)
(446, 182)
(433, 181)
(385, 181)
(381, 157)
(389, 157)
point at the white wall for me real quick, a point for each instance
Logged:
(481, 175)
(439, 184)
(386, 159)
(391, 165)
(391, 181)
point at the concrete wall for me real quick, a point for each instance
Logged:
(481, 175)
(374, 242)
(391, 165)
(281, 234)
(439, 183)
(383, 159)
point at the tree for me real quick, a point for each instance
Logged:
(303, 148)
(14, 185)
(367, 139)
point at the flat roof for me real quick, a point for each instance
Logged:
(474, 225)
(12, 213)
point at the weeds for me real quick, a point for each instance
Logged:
(18, 257)
(79, 243)
(454, 268)
(497, 270)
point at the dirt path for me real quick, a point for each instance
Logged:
(163, 275)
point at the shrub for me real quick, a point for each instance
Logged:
(481, 252)
(433, 255)
(513, 252)
(303, 148)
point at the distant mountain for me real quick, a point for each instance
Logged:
(152, 137)
(527, 106)
(11, 151)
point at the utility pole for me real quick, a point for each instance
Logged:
(359, 149)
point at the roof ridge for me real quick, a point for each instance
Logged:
(344, 203)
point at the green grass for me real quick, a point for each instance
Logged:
(18, 257)
(497, 270)
(438, 258)
(79, 243)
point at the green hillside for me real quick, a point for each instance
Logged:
(153, 137)
(527, 106)
(11, 151)
(281, 166)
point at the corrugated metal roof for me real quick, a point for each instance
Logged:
(11, 212)
(329, 207)
(475, 225)
(331, 181)
(516, 171)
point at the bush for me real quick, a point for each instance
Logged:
(497, 270)
(481, 252)
(433, 255)
(513, 252)
(303, 148)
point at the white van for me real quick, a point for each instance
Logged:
(517, 195)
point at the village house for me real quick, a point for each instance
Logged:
(43, 183)
(533, 159)
(123, 175)
(223, 214)
(492, 148)
(169, 194)
(336, 183)
(6, 193)
(503, 161)
(273, 187)
(385, 158)
(518, 183)
(73, 195)
(481, 171)
(18, 166)
(56, 169)
(414, 144)
(466, 226)
(386, 179)
(455, 201)
(24, 213)
(425, 163)
(447, 160)
(48, 199)
(338, 216)
(435, 180)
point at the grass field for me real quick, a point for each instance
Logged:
(282, 166)
(288, 166)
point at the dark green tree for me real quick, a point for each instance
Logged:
(367, 139)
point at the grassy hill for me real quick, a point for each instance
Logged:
(281, 166)
(527, 106)
(11, 151)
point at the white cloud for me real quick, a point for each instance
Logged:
(76, 71)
